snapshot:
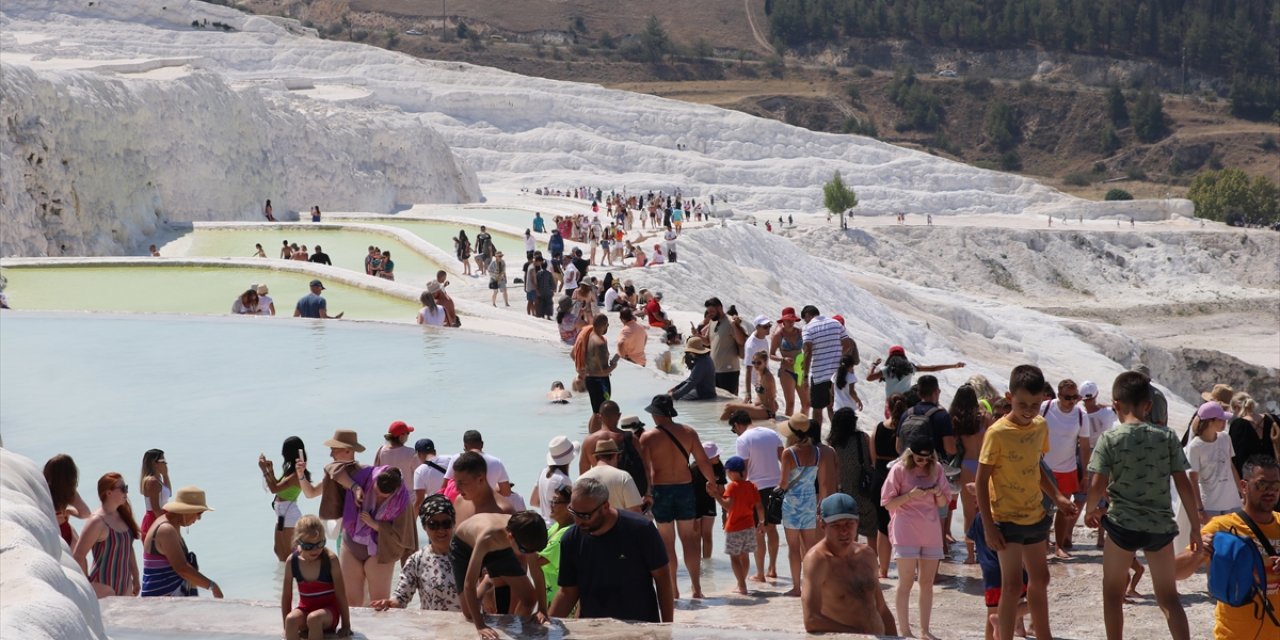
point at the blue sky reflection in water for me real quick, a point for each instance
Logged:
(215, 392)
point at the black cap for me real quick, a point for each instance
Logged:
(921, 445)
(424, 445)
(662, 405)
(317, 283)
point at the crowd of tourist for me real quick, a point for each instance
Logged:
(1020, 469)
(607, 543)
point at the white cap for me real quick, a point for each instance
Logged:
(1089, 389)
(711, 449)
(763, 321)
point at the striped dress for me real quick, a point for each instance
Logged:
(113, 562)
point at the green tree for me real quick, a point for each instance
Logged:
(1116, 108)
(1229, 196)
(654, 41)
(838, 198)
(1004, 128)
(1149, 121)
(1118, 194)
(1110, 140)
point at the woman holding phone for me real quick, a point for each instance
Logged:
(286, 490)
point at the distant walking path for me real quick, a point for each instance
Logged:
(755, 32)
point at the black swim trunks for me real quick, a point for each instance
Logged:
(501, 563)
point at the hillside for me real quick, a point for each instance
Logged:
(718, 53)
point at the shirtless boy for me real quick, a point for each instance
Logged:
(668, 446)
(497, 543)
(841, 592)
(475, 494)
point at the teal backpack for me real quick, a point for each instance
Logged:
(1237, 576)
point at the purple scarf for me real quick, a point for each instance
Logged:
(391, 508)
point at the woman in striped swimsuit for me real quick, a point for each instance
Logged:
(168, 569)
(322, 600)
(110, 533)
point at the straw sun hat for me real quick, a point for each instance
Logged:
(188, 500)
(344, 439)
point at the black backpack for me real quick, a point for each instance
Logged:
(916, 425)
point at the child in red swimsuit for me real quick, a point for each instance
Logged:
(322, 600)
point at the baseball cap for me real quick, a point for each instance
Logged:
(317, 283)
(424, 445)
(1211, 410)
(399, 428)
(735, 464)
(921, 446)
(838, 318)
(763, 321)
(897, 350)
(1089, 389)
(837, 507)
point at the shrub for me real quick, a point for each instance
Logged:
(360, 35)
(1099, 167)
(976, 86)
(1009, 161)
(1268, 142)
(1109, 140)
(1149, 121)
(775, 66)
(1077, 179)
(860, 127)
(1136, 173)
(863, 71)
(607, 41)
(855, 96)
(1003, 126)
(1229, 194)
(581, 50)
(1118, 194)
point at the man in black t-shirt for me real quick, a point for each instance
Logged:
(612, 563)
(320, 257)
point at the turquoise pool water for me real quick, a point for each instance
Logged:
(195, 290)
(215, 392)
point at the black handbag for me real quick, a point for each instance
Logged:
(773, 506)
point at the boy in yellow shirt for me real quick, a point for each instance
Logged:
(1010, 483)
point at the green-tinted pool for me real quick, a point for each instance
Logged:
(442, 234)
(195, 290)
(346, 248)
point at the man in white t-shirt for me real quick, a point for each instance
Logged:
(428, 478)
(1098, 419)
(756, 342)
(1068, 434)
(762, 448)
(570, 275)
(496, 471)
(670, 237)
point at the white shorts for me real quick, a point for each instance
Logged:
(289, 511)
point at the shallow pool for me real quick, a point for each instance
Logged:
(347, 248)
(213, 393)
(442, 234)
(196, 290)
(519, 218)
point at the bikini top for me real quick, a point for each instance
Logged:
(787, 345)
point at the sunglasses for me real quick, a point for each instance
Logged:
(124, 488)
(579, 515)
(310, 546)
(437, 525)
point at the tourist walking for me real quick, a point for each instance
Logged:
(804, 477)
(787, 348)
(825, 341)
(913, 493)
(313, 304)
(612, 564)
(856, 469)
(155, 486)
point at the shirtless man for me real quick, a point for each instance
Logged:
(443, 299)
(668, 446)
(475, 494)
(497, 543)
(841, 592)
(632, 458)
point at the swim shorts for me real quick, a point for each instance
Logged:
(673, 502)
(1025, 533)
(1068, 482)
(500, 564)
(1131, 540)
(740, 542)
(598, 390)
(820, 395)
